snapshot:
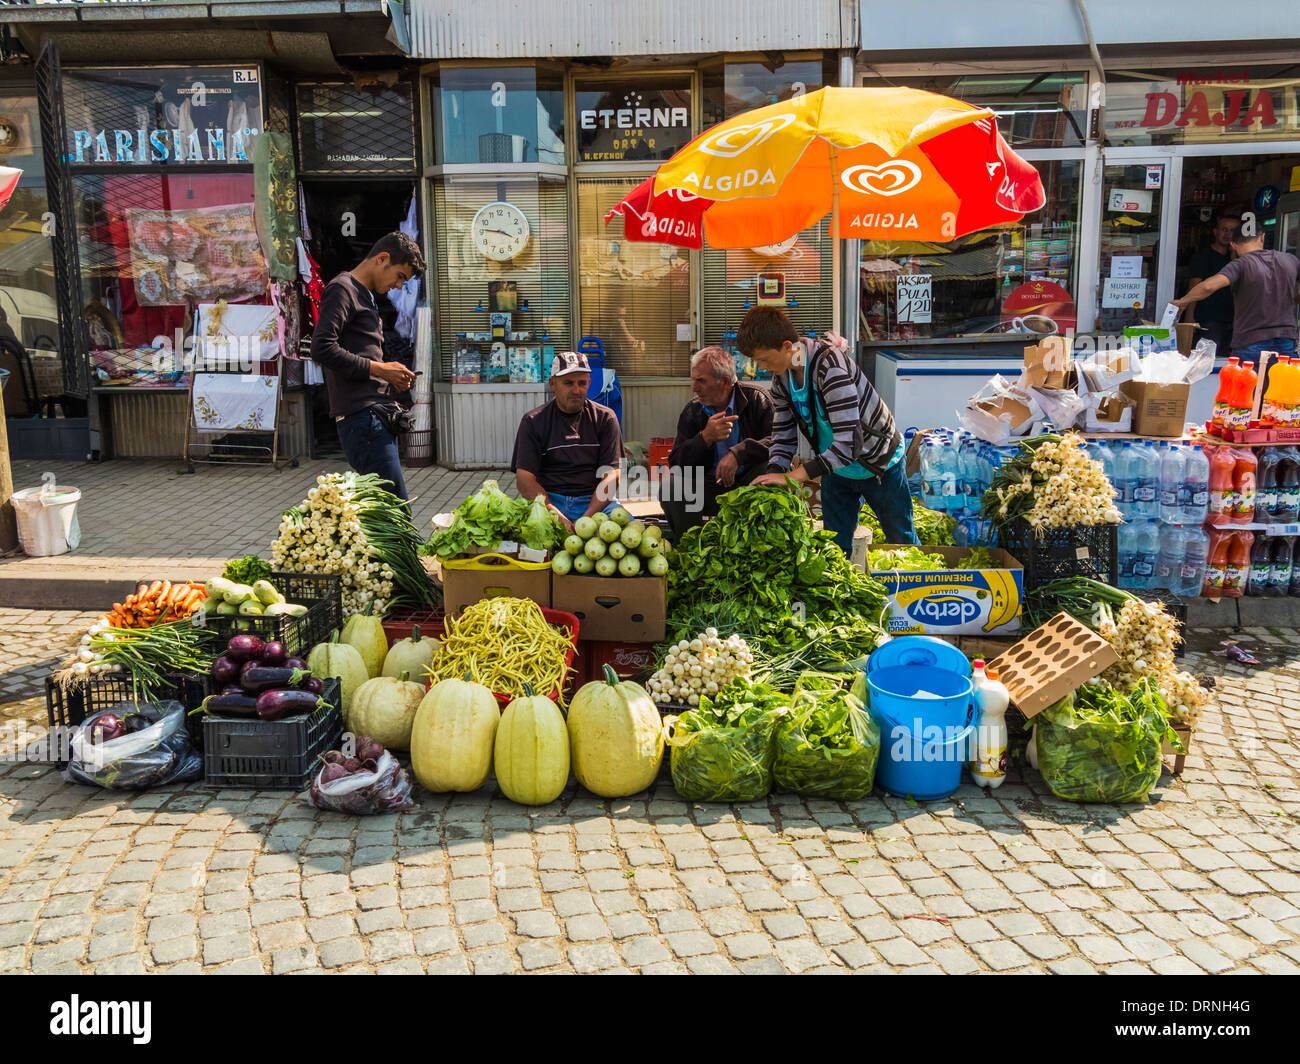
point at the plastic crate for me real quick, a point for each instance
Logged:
(1062, 552)
(627, 659)
(323, 597)
(400, 624)
(271, 755)
(70, 706)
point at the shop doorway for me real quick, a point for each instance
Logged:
(345, 218)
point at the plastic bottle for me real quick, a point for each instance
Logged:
(970, 474)
(1216, 564)
(1222, 466)
(1147, 556)
(1169, 562)
(1125, 480)
(988, 766)
(977, 677)
(1244, 475)
(1222, 398)
(1127, 538)
(1196, 549)
(1106, 456)
(1237, 570)
(1288, 485)
(1283, 566)
(1146, 489)
(1261, 567)
(1243, 397)
(1288, 412)
(930, 486)
(1173, 475)
(950, 495)
(1294, 583)
(1196, 487)
(1275, 393)
(1266, 485)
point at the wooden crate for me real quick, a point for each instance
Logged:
(1184, 732)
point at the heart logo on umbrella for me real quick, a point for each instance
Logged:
(887, 179)
(728, 143)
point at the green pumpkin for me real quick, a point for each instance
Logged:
(453, 736)
(616, 737)
(384, 708)
(339, 659)
(413, 655)
(532, 750)
(366, 633)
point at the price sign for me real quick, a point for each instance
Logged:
(914, 298)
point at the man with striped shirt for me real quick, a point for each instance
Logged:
(819, 391)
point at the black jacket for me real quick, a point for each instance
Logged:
(754, 412)
(347, 338)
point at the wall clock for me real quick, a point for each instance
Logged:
(500, 231)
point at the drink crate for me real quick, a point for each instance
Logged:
(400, 624)
(1062, 552)
(70, 706)
(627, 659)
(321, 594)
(271, 755)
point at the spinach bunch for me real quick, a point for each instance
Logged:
(722, 750)
(933, 529)
(829, 745)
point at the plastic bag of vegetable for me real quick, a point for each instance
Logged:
(362, 786)
(1097, 745)
(134, 746)
(722, 750)
(829, 745)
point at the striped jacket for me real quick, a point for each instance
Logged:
(863, 426)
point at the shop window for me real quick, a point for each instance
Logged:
(1016, 278)
(1231, 104)
(487, 262)
(28, 312)
(164, 117)
(356, 129)
(640, 119)
(1045, 110)
(633, 294)
(499, 115)
(152, 248)
(733, 88)
(797, 275)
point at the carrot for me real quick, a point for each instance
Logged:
(154, 587)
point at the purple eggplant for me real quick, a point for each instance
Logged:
(238, 705)
(245, 648)
(225, 671)
(259, 678)
(311, 683)
(273, 705)
(294, 663)
(274, 654)
(106, 728)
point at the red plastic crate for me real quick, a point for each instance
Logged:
(627, 659)
(400, 624)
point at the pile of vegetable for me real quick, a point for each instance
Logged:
(1099, 745)
(1051, 483)
(368, 783)
(700, 667)
(761, 557)
(1143, 634)
(350, 527)
(257, 679)
(904, 558)
(148, 655)
(613, 546)
(156, 603)
(828, 745)
(228, 599)
(489, 516)
(722, 750)
(247, 570)
(505, 644)
(979, 558)
(933, 529)
(109, 726)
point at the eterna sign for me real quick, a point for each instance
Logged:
(635, 118)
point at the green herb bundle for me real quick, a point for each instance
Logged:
(908, 558)
(722, 750)
(828, 746)
(933, 529)
(149, 654)
(247, 570)
(1076, 595)
(979, 558)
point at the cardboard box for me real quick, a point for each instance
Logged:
(1113, 413)
(1048, 362)
(614, 608)
(948, 602)
(464, 587)
(1159, 409)
(1051, 662)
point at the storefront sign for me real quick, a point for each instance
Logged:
(1037, 306)
(1129, 200)
(1124, 293)
(1155, 176)
(1126, 266)
(162, 116)
(631, 122)
(914, 298)
(1194, 106)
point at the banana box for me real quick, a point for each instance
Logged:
(950, 601)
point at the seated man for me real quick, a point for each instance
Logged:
(568, 451)
(722, 438)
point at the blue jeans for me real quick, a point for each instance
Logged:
(886, 494)
(370, 448)
(575, 506)
(1281, 344)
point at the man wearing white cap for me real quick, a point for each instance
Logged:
(562, 446)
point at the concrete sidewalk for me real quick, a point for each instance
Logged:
(154, 520)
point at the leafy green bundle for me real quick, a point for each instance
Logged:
(979, 558)
(933, 529)
(247, 570)
(828, 746)
(912, 558)
(761, 555)
(489, 516)
(722, 750)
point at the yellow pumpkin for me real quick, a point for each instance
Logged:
(367, 634)
(384, 708)
(532, 750)
(453, 734)
(616, 737)
(339, 659)
(413, 655)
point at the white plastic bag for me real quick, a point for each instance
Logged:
(1063, 408)
(386, 790)
(994, 412)
(159, 754)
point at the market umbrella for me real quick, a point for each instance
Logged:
(8, 182)
(886, 163)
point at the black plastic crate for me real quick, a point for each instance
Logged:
(321, 594)
(1061, 552)
(70, 706)
(271, 755)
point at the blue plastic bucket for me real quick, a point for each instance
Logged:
(924, 742)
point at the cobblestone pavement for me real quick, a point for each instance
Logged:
(1206, 878)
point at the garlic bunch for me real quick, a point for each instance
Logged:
(1067, 488)
(1145, 637)
(700, 666)
(87, 662)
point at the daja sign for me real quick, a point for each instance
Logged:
(1206, 104)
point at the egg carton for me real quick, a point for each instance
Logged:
(1052, 661)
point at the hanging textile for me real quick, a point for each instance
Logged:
(313, 284)
(277, 203)
(407, 298)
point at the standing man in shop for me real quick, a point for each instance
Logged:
(1264, 296)
(1214, 313)
(568, 451)
(369, 397)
